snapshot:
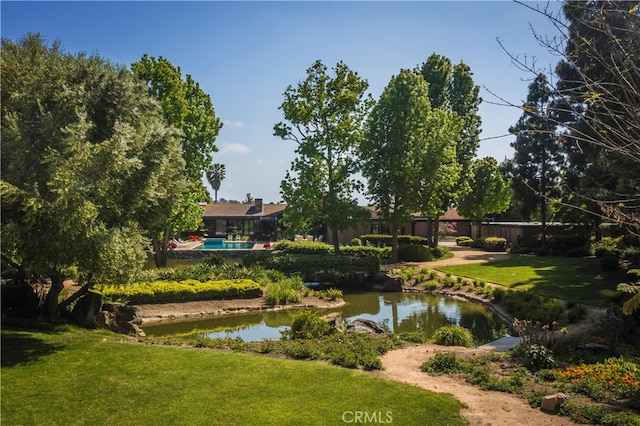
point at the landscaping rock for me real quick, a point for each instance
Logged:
(362, 325)
(552, 403)
(86, 308)
(124, 313)
(335, 321)
(386, 282)
(120, 318)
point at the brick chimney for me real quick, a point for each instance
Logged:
(258, 204)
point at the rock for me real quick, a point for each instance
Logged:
(124, 313)
(86, 308)
(552, 403)
(383, 281)
(362, 325)
(596, 346)
(105, 319)
(335, 321)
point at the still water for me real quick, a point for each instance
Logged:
(400, 312)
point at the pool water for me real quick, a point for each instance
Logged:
(221, 244)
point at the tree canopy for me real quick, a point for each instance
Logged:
(409, 153)
(88, 164)
(324, 116)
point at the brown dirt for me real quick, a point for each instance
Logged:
(482, 407)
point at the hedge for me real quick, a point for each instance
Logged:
(385, 240)
(318, 268)
(491, 243)
(464, 241)
(414, 253)
(303, 247)
(182, 291)
(365, 251)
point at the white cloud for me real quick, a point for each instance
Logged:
(233, 148)
(232, 123)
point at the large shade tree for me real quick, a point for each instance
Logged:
(409, 153)
(324, 116)
(187, 107)
(87, 162)
(452, 89)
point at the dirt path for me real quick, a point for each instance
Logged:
(483, 407)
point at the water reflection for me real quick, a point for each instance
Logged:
(400, 312)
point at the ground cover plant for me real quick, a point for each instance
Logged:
(571, 279)
(188, 386)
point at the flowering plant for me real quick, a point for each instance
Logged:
(267, 245)
(615, 376)
(172, 244)
(194, 238)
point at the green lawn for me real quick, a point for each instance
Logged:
(567, 278)
(73, 376)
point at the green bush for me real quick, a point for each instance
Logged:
(609, 262)
(538, 357)
(308, 325)
(453, 335)
(608, 246)
(529, 306)
(383, 240)
(347, 270)
(303, 247)
(576, 313)
(184, 291)
(439, 251)
(366, 251)
(464, 241)
(289, 290)
(576, 242)
(330, 294)
(491, 243)
(442, 363)
(356, 242)
(413, 253)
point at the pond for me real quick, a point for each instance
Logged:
(400, 312)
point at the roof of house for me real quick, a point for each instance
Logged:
(239, 211)
(243, 211)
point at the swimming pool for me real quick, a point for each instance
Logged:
(221, 244)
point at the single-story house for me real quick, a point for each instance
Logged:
(262, 221)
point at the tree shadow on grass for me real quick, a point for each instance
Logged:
(19, 348)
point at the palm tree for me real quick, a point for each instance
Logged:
(215, 176)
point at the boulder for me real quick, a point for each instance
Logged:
(124, 313)
(361, 325)
(335, 321)
(552, 403)
(383, 281)
(86, 308)
(120, 318)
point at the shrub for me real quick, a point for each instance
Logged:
(607, 246)
(491, 243)
(384, 240)
(303, 247)
(439, 251)
(443, 363)
(431, 285)
(576, 313)
(330, 294)
(187, 290)
(464, 241)
(289, 290)
(413, 253)
(453, 335)
(609, 262)
(356, 242)
(366, 251)
(308, 325)
(538, 357)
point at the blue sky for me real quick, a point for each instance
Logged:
(245, 54)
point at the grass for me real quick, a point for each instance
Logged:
(568, 278)
(69, 376)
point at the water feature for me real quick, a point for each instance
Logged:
(221, 244)
(400, 312)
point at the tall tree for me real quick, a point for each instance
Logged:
(409, 153)
(451, 88)
(215, 176)
(538, 158)
(325, 115)
(187, 107)
(87, 160)
(489, 191)
(599, 83)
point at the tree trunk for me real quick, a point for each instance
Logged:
(436, 232)
(160, 249)
(75, 296)
(429, 231)
(394, 241)
(334, 237)
(51, 301)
